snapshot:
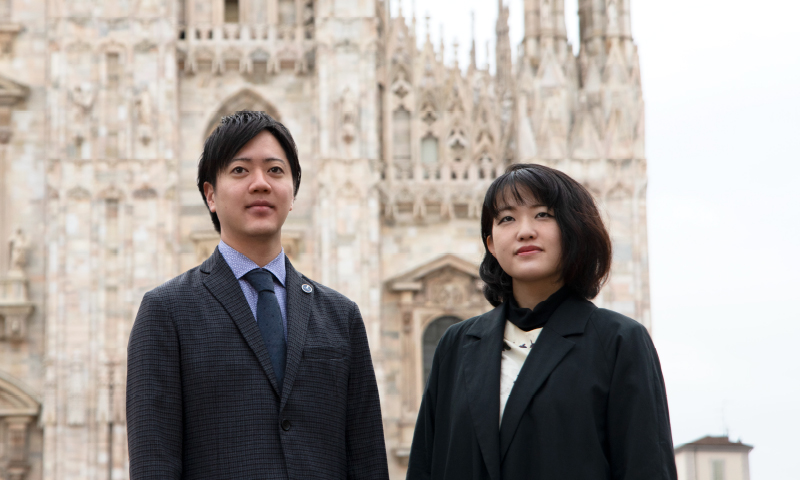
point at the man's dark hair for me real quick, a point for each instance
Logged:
(230, 136)
(585, 244)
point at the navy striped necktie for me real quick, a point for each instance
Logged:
(270, 322)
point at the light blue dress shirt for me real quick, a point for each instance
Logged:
(240, 265)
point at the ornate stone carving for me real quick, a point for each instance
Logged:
(144, 117)
(8, 32)
(18, 247)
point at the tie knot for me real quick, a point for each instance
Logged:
(260, 279)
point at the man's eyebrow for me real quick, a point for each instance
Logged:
(250, 160)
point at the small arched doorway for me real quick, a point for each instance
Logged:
(430, 339)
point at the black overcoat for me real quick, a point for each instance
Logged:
(202, 401)
(589, 403)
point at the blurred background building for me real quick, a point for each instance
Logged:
(713, 458)
(104, 107)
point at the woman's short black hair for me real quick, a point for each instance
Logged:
(585, 244)
(230, 136)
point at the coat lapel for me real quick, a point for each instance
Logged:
(224, 286)
(550, 348)
(298, 305)
(482, 375)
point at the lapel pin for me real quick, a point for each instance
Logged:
(307, 288)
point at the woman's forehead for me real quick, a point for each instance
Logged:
(516, 195)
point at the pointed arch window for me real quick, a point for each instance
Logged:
(231, 11)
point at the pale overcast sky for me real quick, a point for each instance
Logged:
(721, 83)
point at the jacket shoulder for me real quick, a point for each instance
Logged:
(611, 322)
(326, 293)
(179, 285)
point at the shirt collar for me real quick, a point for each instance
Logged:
(240, 264)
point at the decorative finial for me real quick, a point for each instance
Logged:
(473, 53)
(455, 52)
(428, 27)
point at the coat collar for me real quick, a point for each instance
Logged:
(550, 348)
(481, 356)
(224, 286)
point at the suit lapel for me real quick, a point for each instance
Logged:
(482, 375)
(298, 305)
(224, 286)
(550, 348)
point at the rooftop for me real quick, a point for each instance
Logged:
(714, 443)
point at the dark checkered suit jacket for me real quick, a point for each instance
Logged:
(201, 398)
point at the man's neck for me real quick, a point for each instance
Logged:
(260, 250)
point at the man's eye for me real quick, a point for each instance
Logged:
(276, 170)
(237, 170)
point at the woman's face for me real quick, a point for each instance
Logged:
(526, 241)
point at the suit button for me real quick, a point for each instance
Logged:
(286, 425)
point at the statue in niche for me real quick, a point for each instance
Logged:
(349, 117)
(144, 117)
(18, 245)
(82, 96)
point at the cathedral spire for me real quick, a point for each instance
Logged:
(503, 48)
(545, 28)
(472, 53)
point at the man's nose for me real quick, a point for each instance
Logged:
(260, 181)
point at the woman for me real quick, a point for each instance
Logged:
(546, 386)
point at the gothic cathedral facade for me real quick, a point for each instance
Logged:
(104, 107)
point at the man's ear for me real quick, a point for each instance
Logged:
(208, 191)
(490, 244)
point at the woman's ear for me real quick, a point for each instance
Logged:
(490, 244)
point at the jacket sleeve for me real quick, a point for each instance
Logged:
(421, 457)
(366, 450)
(154, 401)
(639, 434)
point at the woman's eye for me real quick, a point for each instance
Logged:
(543, 215)
(507, 218)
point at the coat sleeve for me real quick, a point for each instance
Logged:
(421, 457)
(366, 450)
(639, 434)
(154, 401)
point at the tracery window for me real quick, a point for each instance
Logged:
(430, 339)
(429, 156)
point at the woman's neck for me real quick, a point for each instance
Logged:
(528, 295)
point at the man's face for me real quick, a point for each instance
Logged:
(254, 193)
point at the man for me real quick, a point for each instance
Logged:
(242, 368)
